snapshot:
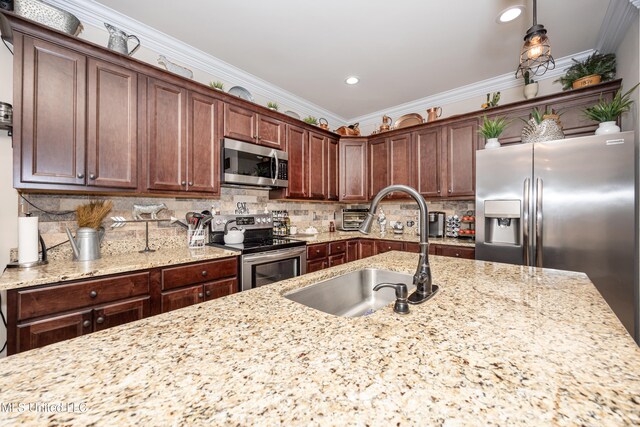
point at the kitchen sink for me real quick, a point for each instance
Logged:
(352, 294)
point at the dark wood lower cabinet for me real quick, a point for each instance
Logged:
(120, 313)
(366, 248)
(456, 251)
(383, 246)
(316, 265)
(180, 298)
(352, 250)
(39, 333)
(337, 259)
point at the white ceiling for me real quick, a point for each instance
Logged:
(402, 50)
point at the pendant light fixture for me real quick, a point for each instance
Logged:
(535, 56)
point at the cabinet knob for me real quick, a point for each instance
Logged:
(457, 254)
(204, 273)
(208, 293)
(93, 294)
(100, 320)
(449, 190)
(80, 175)
(200, 295)
(183, 183)
(317, 251)
(92, 176)
(190, 183)
(86, 323)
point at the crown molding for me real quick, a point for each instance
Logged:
(617, 20)
(481, 88)
(92, 13)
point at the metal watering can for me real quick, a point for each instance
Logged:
(86, 245)
(118, 40)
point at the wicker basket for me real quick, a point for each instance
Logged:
(48, 15)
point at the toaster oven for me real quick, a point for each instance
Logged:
(350, 219)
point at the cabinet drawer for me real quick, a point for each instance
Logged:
(337, 248)
(176, 277)
(220, 289)
(59, 298)
(457, 252)
(316, 251)
(386, 246)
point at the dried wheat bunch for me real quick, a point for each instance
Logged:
(92, 214)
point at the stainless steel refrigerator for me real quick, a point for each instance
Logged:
(569, 204)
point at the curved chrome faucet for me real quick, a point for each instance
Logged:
(425, 288)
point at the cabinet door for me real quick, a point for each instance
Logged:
(167, 141)
(53, 114)
(461, 142)
(352, 250)
(400, 163)
(54, 329)
(316, 265)
(332, 169)
(173, 300)
(367, 248)
(119, 313)
(317, 166)
(239, 123)
(353, 170)
(337, 259)
(112, 126)
(297, 151)
(271, 132)
(412, 247)
(383, 246)
(220, 289)
(517, 118)
(574, 122)
(378, 166)
(427, 148)
(203, 152)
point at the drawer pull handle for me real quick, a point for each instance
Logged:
(200, 295)
(100, 320)
(208, 293)
(86, 323)
(93, 294)
(204, 273)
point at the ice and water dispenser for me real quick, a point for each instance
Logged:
(502, 222)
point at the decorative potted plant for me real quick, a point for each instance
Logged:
(272, 106)
(607, 112)
(530, 86)
(596, 68)
(217, 85)
(491, 130)
(310, 120)
(542, 126)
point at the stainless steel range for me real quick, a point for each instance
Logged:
(265, 258)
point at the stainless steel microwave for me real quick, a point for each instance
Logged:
(251, 164)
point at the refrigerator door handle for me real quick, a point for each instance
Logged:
(525, 220)
(539, 188)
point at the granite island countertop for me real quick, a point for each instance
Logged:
(61, 270)
(500, 344)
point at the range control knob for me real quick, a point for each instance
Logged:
(218, 222)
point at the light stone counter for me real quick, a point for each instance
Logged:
(499, 345)
(59, 270)
(405, 237)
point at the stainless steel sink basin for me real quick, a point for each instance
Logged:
(352, 294)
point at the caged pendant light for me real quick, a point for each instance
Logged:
(535, 56)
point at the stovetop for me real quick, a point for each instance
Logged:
(252, 246)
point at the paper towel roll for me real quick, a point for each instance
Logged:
(27, 239)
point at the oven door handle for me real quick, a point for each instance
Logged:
(274, 255)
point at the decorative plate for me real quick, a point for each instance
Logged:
(241, 92)
(407, 120)
(292, 114)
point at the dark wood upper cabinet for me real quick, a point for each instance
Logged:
(401, 168)
(378, 162)
(460, 142)
(167, 136)
(240, 123)
(574, 122)
(317, 166)
(333, 161)
(51, 122)
(271, 132)
(427, 148)
(353, 169)
(112, 126)
(298, 162)
(203, 170)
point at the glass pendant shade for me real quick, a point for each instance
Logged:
(535, 55)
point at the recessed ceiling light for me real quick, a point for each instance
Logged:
(509, 14)
(352, 80)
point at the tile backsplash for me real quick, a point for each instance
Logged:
(302, 213)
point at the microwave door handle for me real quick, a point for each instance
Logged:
(275, 178)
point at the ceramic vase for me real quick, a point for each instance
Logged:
(607, 127)
(531, 90)
(492, 143)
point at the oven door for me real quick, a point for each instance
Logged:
(273, 266)
(251, 164)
